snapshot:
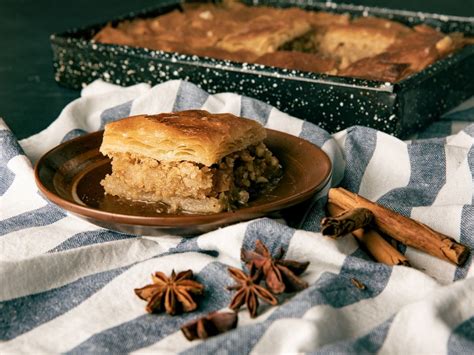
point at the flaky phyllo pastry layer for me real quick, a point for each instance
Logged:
(192, 161)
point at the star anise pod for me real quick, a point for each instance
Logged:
(210, 325)
(249, 291)
(171, 294)
(280, 275)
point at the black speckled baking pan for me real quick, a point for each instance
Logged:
(331, 102)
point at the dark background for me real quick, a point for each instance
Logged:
(30, 99)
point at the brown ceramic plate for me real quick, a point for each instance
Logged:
(69, 176)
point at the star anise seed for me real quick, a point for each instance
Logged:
(280, 275)
(357, 283)
(172, 294)
(249, 291)
(210, 325)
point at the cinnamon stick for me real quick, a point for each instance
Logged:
(346, 222)
(404, 229)
(376, 245)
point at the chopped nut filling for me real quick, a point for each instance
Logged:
(187, 186)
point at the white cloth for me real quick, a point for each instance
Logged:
(67, 285)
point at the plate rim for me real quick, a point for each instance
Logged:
(178, 220)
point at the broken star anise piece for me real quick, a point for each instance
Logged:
(249, 291)
(280, 275)
(210, 325)
(172, 294)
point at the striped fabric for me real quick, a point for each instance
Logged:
(66, 286)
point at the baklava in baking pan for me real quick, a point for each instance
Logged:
(293, 38)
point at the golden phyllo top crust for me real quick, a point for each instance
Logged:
(194, 135)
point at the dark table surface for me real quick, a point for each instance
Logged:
(30, 99)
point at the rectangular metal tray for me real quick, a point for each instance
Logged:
(331, 102)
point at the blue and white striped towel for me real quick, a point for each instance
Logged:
(67, 285)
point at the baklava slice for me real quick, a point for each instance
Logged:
(265, 32)
(191, 161)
